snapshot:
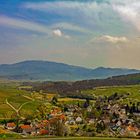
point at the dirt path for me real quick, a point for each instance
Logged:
(27, 97)
(16, 110)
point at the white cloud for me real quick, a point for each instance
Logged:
(23, 24)
(60, 6)
(129, 11)
(31, 26)
(57, 32)
(88, 10)
(92, 12)
(71, 27)
(112, 39)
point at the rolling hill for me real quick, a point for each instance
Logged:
(125, 84)
(52, 71)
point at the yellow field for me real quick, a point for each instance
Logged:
(69, 99)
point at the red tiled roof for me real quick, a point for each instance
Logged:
(43, 132)
(25, 126)
(11, 124)
(62, 117)
(130, 128)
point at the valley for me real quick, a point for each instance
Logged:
(40, 105)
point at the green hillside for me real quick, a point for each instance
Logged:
(15, 97)
(132, 90)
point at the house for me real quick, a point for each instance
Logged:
(89, 108)
(26, 129)
(91, 121)
(11, 126)
(62, 117)
(132, 130)
(106, 120)
(43, 124)
(70, 122)
(56, 111)
(44, 132)
(79, 120)
(122, 114)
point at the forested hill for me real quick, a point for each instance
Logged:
(65, 88)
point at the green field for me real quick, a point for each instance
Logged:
(15, 97)
(134, 92)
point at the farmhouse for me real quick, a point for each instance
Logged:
(11, 126)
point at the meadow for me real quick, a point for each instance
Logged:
(15, 97)
(133, 90)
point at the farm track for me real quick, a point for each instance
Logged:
(27, 97)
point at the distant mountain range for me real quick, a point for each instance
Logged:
(52, 71)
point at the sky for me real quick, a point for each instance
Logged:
(89, 33)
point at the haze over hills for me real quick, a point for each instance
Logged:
(52, 71)
(73, 89)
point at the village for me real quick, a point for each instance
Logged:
(107, 116)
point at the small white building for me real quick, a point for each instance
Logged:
(79, 120)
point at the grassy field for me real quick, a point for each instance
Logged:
(134, 91)
(71, 100)
(15, 97)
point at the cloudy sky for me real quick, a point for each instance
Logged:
(88, 33)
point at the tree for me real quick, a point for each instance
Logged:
(54, 100)
(100, 126)
(59, 128)
(42, 111)
(87, 103)
(127, 109)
